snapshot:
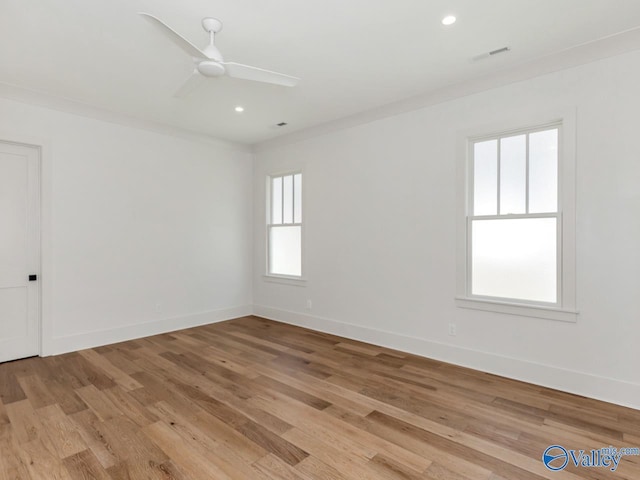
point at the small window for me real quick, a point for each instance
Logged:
(516, 220)
(284, 225)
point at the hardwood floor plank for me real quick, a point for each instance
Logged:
(85, 373)
(139, 455)
(123, 359)
(4, 418)
(341, 460)
(98, 402)
(276, 469)
(319, 388)
(226, 438)
(316, 469)
(385, 467)
(306, 398)
(129, 406)
(192, 463)
(99, 362)
(84, 466)
(41, 461)
(439, 472)
(89, 428)
(231, 462)
(10, 389)
(36, 391)
(24, 422)
(62, 431)
(12, 466)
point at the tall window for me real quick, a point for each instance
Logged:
(514, 225)
(284, 225)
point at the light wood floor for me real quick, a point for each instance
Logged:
(255, 399)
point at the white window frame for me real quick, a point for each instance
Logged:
(565, 307)
(275, 277)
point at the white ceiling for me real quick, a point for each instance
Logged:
(352, 55)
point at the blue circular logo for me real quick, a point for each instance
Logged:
(555, 458)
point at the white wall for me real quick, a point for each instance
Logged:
(380, 205)
(133, 219)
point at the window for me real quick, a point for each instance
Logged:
(284, 225)
(515, 226)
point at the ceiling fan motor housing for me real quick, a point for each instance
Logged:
(210, 68)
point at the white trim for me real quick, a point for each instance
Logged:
(572, 381)
(81, 341)
(514, 132)
(285, 280)
(511, 308)
(37, 268)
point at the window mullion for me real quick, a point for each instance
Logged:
(469, 279)
(527, 175)
(282, 198)
(271, 202)
(293, 198)
(471, 205)
(268, 252)
(559, 259)
(498, 175)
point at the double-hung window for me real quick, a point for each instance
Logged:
(284, 225)
(514, 223)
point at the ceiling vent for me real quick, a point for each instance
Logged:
(492, 53)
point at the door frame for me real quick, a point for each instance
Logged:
(43, 190)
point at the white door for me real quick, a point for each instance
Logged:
(19, 251)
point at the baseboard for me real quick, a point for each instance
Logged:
(580, 383)
(71, 343)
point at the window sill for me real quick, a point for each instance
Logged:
(536, 311)
(284, 280)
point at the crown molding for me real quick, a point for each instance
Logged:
(65, 105)
(610, 46)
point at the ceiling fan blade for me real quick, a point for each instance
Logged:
(246, 72)
(190, 84)
(174, 36)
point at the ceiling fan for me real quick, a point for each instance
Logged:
(209, 61)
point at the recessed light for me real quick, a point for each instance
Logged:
(239, 109)
(449, 20)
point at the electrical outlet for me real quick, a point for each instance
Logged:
(309, 305)
(158, 308)
(452, 329)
